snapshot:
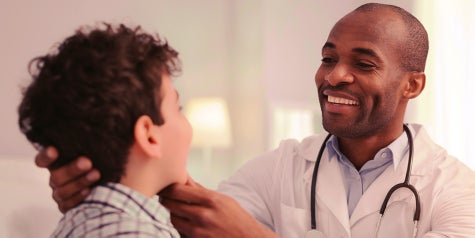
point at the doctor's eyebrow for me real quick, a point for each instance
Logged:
(359, 50)
(328, 45)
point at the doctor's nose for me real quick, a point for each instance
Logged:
(339, 75)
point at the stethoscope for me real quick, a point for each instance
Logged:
(315, 233)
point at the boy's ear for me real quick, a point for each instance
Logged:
(415, 84)
(146, 136)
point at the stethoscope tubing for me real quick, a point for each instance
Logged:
(314, 183)
(405, 184)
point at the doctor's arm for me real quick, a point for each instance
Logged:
(453, 213)
(199, 212)
(455, 218)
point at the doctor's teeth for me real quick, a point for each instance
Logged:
(339, 100)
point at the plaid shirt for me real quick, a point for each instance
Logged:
(113, 210)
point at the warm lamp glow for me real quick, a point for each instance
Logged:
(210, 120)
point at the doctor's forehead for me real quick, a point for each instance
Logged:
(365, 33)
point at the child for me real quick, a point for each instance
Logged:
(107, 94)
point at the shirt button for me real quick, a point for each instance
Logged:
(384, 154)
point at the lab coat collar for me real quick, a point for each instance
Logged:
(309, 147)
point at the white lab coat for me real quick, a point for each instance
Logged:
(275, 189)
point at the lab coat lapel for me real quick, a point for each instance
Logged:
(331, 192)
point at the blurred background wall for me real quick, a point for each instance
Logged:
(259, 56)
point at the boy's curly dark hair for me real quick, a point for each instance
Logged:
(86, 97)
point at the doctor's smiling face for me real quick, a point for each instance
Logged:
(360, 80)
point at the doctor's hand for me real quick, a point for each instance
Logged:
(70, 183)
(200, 212)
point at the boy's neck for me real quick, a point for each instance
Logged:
(143, 175)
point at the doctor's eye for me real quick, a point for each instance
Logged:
(365, 66)
(328, 60)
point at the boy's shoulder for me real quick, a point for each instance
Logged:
(115, 209)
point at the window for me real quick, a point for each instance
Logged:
(446, 106)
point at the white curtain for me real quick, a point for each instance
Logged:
(446, 106)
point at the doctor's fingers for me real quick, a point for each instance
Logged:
(66, 204)
(72, 187)
(196, 213)
(69, 195)
(187, 194)
(46, 157)
(72, 172)
(187, 228)
(198, 228)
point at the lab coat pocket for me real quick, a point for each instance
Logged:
(295, 222)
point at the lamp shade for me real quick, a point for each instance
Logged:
(209, 118)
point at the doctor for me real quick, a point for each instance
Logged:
(372, 65)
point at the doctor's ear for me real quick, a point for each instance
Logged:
(146, 136)
(415, 84)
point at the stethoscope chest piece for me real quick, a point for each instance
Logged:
(314, 234)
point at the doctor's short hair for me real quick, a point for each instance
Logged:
(86, 96)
